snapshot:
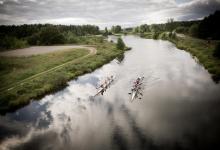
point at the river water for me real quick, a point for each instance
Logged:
(179, 108)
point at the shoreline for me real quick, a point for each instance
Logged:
(45, 84)
(198, 48)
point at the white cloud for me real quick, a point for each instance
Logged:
(104, 12)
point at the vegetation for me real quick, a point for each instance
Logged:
(8, 42)
(216, 52)
(208, 28)
(120, 44)
(193, 30)
(12, 37)
(182, 29)
(116, 29)
(18, 93)
(206, 52)
(106, 33)
(198, 37)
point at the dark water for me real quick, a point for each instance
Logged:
(179, 109)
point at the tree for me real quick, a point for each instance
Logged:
(9, 42)
(170, 25)
(51, 35)
(116, 29)
(120, 44)
(106, 32)
(144, 28)
(136, 30)
(209, 27)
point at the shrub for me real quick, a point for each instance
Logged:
(173, 35)
(194, 30)
(34, 39)
(156, 35)
(9, 42)
(71, 38)
(181, 29)
(163, 36)
(120, 44)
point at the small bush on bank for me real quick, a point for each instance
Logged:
(156, 35)
(120, 44)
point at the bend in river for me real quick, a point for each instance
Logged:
(180, 104)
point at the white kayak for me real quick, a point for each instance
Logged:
(136, 90)
(133, 95)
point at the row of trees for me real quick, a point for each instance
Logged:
(25, 30)
(208, 28)
(116, 29)
(42, 34)
(171, 25)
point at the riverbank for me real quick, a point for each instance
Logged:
(20, 90)
(201, 49)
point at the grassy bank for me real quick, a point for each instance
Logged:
(202, 49)
(16, 69)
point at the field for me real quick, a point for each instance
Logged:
(26, 78)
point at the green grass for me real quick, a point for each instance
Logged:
(17, 69)
(20, 68)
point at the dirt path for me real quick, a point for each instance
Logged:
(35, 50)
(20, 83)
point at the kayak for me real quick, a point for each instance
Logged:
(104, 86)
(136, 91)
(133, 95)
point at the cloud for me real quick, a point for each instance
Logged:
(103, 12)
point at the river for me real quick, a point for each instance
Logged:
(179, 108)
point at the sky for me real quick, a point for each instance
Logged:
(103, 12)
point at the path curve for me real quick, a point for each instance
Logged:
(92, 51)
(36, 50)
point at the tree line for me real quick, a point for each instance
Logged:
(13, 36)
(208, 28)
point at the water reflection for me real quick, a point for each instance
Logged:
(179, 109)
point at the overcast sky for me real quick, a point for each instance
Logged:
(103, 12)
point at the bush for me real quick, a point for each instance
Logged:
(50, 36)
(9, 42)
(173, 35)
(71, 38)
(194, 30)
(181, 29)
(34, 39)
(120, 44)
(163, 36)
(216, 52)
(156, 35)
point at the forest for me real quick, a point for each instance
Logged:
(20, 36)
